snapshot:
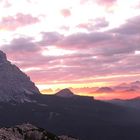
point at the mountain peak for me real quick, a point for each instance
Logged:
(3, 57)
(14, 84)
(65, 93)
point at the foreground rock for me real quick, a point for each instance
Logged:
(29, 132)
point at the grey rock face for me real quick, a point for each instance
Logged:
(2, 57)
(14, 84)
(28, 132)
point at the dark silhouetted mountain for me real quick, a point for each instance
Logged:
(29, 132)
(67, 93)
(132, 103)
(104, 90)
(14, 84)
(136, 98)
(78, 117)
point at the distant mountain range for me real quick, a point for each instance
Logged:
(63, 113)
(132, 103)
(133, 87)
(123, 87)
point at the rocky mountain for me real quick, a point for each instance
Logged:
(29, 132)
(66, 93)
(14, 84)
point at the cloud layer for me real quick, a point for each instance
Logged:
(84, 55)
(17, 21)
(73, 43)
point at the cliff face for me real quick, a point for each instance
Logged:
(14, 84)
(2, 57)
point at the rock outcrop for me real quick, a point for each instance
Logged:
(29, 132)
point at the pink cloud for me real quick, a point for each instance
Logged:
(17, 21)
(93, 25)
(131, 27)
(66, 12)
(96, 54)
(106, 2)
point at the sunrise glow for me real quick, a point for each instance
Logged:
(78, 44)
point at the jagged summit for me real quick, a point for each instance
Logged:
(3, 57)
(65, 93)
(14, 84)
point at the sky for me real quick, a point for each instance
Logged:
(80, 44)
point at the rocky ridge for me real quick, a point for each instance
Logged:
(14, 84)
